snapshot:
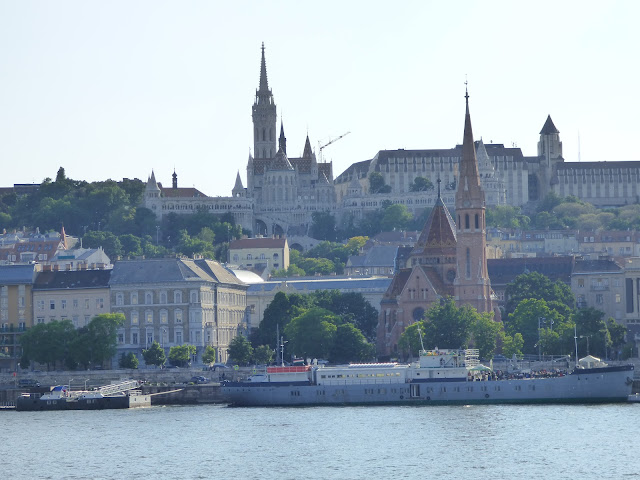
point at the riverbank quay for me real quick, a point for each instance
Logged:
(155, 382)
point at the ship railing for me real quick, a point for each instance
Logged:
(472, 357)
(119, 387)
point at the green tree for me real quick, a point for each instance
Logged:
(323, 226)
(410, 342)
(131, 245)
(421, 184)
(396, 217)
(349, 344)
(532, 318)
(102, 336)
(350, 307)
(180, 355)
(277, 315)
(263, 355)
(376, 183)
(209, 355)
(449, 326)
(129, 360)
(49, 343)
(537, 286)
(311, 334)
(512, 345)
(107, 240)
(485, 334)
(154, 355)
(240, 350)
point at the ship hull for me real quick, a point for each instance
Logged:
(32, 404)
(601, 385)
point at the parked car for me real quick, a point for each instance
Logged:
(199, 379)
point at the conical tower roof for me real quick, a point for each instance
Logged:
(549, 128)
(307, 153)
(238, 185)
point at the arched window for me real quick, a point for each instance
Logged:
(468, 263)
(477, 222)
(466, 221)
(264, 134)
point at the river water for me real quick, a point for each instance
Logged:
(218, 442)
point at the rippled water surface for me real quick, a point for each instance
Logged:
(216, 442)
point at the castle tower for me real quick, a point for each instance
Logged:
(471, 286)
(549, 145)
(238, 188)
(174, 183)
(264, 117)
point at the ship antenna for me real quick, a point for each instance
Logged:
(420, 333)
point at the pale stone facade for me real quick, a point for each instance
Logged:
(175, 302)
(77, 296)
(260, 254)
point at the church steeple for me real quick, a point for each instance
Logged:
(264, 116)
(282, 141)
(469, 190)
(175, 179)
(472, 285)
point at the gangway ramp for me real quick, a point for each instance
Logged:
(117, 388)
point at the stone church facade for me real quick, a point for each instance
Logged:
(448, 260)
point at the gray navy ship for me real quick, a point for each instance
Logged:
(439, 377)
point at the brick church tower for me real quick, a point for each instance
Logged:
(471, 286)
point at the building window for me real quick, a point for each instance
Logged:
(249, 256)
(76, 321)
(52, 304)
(618, 298)
(99, 303)
(581, 283)
(86, 304)
(163, 298)
(134, 317)
(63, 304)
(40, 320)
(466, 221)
(134, 298)
(40, 304)
(179, 337)
(75, 303)
(121, 338)
(194, 297)
(119, 299)
(149, 339)
(134, 338)
(164, 316)
(148, 298)
(599, 299)
(177, 316)
(148, 316)
(468, 263)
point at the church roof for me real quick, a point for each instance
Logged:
(549, 128)
(238, 185)
(280, 162)
(189, 192)
(438, 234)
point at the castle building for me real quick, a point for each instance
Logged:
(448, 259)
(282, 192)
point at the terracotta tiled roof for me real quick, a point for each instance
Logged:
(438, 234)
(182, 192)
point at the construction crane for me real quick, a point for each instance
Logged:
(321, 147)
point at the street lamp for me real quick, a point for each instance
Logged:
(587, 337)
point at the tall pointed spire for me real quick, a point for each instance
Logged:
(264, 85)
(282, 141)
(307, 152)
(469, 185)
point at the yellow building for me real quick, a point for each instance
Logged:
(16, 282)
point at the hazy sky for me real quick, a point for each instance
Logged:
(116, 89)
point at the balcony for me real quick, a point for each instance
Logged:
(599, 288)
